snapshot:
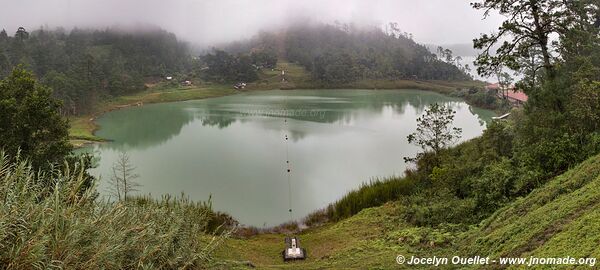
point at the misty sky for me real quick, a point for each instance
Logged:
(206, 22)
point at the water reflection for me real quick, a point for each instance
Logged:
(232, 147)
(142, 127)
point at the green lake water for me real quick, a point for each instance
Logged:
(234, 147)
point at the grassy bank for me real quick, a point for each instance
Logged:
(555, 220)
(444, 87)
(558, 219)
(355, 243)
(83, 127)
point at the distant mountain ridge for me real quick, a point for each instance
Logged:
(343, 53)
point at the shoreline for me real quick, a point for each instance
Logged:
(135, 101)
(83, 128)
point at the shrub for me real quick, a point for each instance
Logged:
(421, 210)
(318, 217)
(424, 236)
(494, 188)
(63, 226)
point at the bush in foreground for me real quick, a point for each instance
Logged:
(62, 225)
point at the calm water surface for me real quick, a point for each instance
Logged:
(233, 147)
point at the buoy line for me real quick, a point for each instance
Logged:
(289, 169)
(292, 250)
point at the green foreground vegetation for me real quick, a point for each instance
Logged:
(529, 185)
(556, 220)
(54, 220)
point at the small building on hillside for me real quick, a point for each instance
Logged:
(493, 86)
(516, 96)
(511, 93)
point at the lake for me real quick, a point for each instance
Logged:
(233, 148)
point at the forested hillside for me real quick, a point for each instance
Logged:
(344, 53)
(86, 66)
(341, 53)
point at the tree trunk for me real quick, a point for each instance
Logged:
(542, 39)
(597, 23)
(124, 180)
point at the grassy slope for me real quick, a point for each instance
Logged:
(557, 220)
(358, 241)
(83, 127)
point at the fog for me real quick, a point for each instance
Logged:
(206, 22)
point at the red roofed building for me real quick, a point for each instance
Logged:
(493, 86)
(516, 96)
(512, 94)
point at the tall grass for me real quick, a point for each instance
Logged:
(375, 193)
(48, 220)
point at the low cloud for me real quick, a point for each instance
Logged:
(206, 22)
